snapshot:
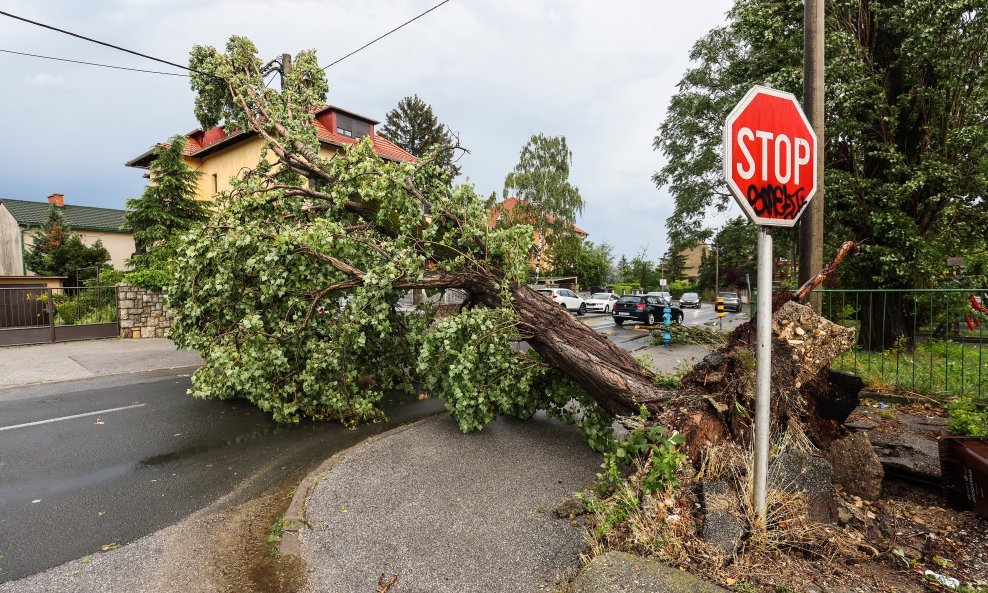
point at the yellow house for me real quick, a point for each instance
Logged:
(220, 156)
(21, 220)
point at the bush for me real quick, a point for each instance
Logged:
(676, 289)
(968, 417)
(150, 278)
(623, 289)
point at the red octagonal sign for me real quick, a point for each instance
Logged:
(770, 157)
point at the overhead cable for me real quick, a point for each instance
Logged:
(21, 53)
(98, 42)
(366, 45)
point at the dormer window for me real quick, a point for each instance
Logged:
(351, 127)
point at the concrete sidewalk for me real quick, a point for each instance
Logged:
(450, 512)
(66, 361)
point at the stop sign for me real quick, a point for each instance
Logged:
(770, 157)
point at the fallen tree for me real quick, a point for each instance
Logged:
(288, 292)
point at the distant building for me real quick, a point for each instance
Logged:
(504, 212)
(21, 220)
(220, 156)
(691, 260)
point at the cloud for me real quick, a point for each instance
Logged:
(45, 80)
(599, 73)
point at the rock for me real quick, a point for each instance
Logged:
(855, 465)
(908, 454)
(721, 527)
(571, 506)
(618, 572)
(799, 472)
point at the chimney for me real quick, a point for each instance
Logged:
(57, 200)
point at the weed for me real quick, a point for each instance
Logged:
(274, 535)
(744, 587)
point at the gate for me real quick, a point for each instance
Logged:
(40, 315)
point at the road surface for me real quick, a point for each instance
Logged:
(102, 462)
(632, 336)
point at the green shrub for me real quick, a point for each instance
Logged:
(150, 278)
(968, 417)
(648, 441)
(676, 289)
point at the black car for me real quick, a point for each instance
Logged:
(644, 309)
(689, 299)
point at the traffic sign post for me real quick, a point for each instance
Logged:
(720, 311)
(770, 165)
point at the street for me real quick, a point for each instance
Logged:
(632, 336)
(94, 464)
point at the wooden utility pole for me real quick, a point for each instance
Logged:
(286, 67)
(811, 225)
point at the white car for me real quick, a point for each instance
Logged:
(567, 298)
(602, 301)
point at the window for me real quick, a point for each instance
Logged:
(216, 184)
(351, 127)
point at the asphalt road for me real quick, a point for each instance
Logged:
(633, 336)
(102, 462)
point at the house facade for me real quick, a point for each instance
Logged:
(220, 156)
(21, 220)
(505, 213)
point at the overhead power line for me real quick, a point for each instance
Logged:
(365, 46)
(20, 53)
(98, 42)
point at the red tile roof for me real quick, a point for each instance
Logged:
(198, 141)
(507, 207)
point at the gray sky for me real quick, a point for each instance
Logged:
(600, 73)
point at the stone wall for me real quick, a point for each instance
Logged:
(142, 313)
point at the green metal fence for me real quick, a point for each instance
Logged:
(928, 341)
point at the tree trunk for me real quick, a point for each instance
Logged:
(882, 320)
(601, 367)
(716, 399)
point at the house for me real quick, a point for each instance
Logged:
(220, 156)
(505, 212)
(691, 260)
(21, 220)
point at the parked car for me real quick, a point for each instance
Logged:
(645, 309)
(732, 302)
(602, 301)
(567, 298)
(689, 299)
(664, 295)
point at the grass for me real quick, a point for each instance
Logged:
(936, 368)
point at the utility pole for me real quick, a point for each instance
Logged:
(811, 225)
(286, 68)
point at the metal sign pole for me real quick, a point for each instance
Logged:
(763, 371)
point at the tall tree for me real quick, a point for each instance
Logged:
(907, 130)
(590, 263)
(414, 127)
(167, 207)
(549, 202)
(57, 251)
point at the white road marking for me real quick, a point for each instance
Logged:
(50, 420)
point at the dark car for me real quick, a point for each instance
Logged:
(644, 309)
(689, 299)
(731, 301)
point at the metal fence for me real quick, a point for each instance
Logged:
(34, 315)
(927, 341)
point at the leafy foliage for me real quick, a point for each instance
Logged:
(57, 251)
(414, 127)
(575, 256)
(167, 208)
(650, 442)
(906, 115)
(541, 181)
(289, 289)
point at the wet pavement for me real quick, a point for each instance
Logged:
(99, 463)
(633, 336)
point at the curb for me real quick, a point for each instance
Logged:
(295, 519)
